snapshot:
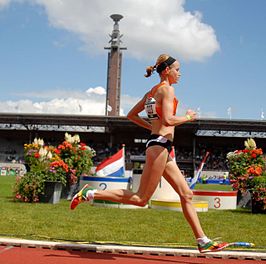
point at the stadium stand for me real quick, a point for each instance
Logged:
(107, 134)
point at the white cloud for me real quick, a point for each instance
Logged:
(97, 90)
(55, 106)
(83, 103)
(4, 3)
(149, 27)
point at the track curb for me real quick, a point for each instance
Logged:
(135, 250)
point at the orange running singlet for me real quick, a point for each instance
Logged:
(154, 111)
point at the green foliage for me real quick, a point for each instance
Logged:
(29, 187)
(259, 190)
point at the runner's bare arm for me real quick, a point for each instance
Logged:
(168, 118)
(133, 114)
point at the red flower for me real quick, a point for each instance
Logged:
(253, 155)
(37, 155)
(18, 196)
(61, 147)
(57, 151)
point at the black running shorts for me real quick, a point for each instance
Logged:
(159, 141)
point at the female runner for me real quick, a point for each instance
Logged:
(160, 105)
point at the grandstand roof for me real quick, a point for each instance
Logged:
(107, 121)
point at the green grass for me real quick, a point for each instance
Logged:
(128, 226)
(216, 187)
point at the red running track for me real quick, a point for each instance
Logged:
(17, 255)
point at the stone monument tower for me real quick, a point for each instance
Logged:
(114, 70)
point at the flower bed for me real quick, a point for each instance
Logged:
(64, 163)
(247, 172)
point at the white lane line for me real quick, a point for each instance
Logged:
(5, 249)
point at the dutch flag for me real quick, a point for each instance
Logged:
(198, 173)
(112, 166)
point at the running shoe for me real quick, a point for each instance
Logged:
(212, 246)
(81, 196)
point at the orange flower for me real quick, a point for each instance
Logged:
(258, 151)
(60, 163)
(255, 170)
(67, 145)
(258, 170)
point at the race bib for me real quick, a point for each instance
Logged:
(150, 108)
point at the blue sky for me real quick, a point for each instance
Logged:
(52, 57)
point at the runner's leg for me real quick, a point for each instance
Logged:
(175, 178)
(156, 158)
